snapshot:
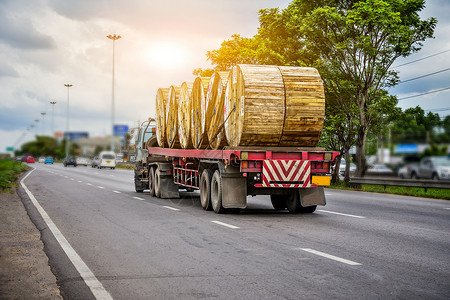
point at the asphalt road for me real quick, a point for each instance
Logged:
(361, 245)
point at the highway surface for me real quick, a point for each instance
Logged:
(114, 243)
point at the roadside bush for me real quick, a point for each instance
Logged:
(9, 171)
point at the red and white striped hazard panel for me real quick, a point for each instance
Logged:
(286, 173)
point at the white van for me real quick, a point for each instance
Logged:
(107, 159)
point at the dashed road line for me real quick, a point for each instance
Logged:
(225, 224)
(171, 208)
(329, 256)
(100, 187)
(89, 183)
(137, 198)
(80, 181)
(117, 192)
(341, 214)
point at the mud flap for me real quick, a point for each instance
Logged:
(234, 187)
(168, 189)
(234, 192)
(312, 196)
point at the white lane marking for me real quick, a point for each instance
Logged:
(112, 175)
(139, 198)
(88, 183)
(89, 278)
(72, 179)
(172, 208)
(341, 214)
(339, 259)
(446, 207)
(117, 192)
(100, 187)
(225, 224)
(66, 177)
(80, 181)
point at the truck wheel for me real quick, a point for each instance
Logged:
(137, 185)
(293, 202)
(157, 183)
(294, 205)
(216, 193)
(278, 202)
(205, 189)
(151, 181)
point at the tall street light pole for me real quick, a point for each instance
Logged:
(36, 126)
(42, 124)
(67, 121)
(53, 117)
(113, 37)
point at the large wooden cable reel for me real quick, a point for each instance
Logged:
(172, 117)
(216, 99)
(184, 115)
(200, 115)
(161, 100)
(254, 106)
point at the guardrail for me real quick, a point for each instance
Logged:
(425, 184)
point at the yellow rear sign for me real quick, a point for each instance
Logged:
(321, 180)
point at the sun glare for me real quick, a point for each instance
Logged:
(166, 55)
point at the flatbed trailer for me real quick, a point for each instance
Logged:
(294, 177)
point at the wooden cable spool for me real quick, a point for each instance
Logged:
(161, 101)
(172, 117)
(305, 106)
(200, 115)
(254, 106)
(216, 99)
(184, 115)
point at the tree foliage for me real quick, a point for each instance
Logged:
(353, 44)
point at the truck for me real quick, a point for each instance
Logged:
(294, 177)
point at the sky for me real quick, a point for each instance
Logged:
(45, 44)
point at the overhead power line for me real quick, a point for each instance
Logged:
(431, 92)
(438, 109)
(426, 75)
(421, 59)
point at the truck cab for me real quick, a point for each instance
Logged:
(142, 136)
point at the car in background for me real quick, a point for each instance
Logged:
(48, 160)
(30, 160)
(41, 159)
(343, 165)
(407, 170)
(95, 162)
(83, 161)
(433, 167)
(70, 160)
(379, 170)
(107, 159)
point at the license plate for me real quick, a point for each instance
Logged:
(108, 162)
(321, 180)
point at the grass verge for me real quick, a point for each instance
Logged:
(398, 190)
(9, 171)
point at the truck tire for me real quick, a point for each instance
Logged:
(216, 193)
(151, 181)
(157, 183)
(205, 189)
(294, 205)
(278, 202)
(137, 185)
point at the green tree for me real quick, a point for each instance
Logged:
(237, 50)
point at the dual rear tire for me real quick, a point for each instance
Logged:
(292, 203)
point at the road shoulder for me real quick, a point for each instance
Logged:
(24, 267)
